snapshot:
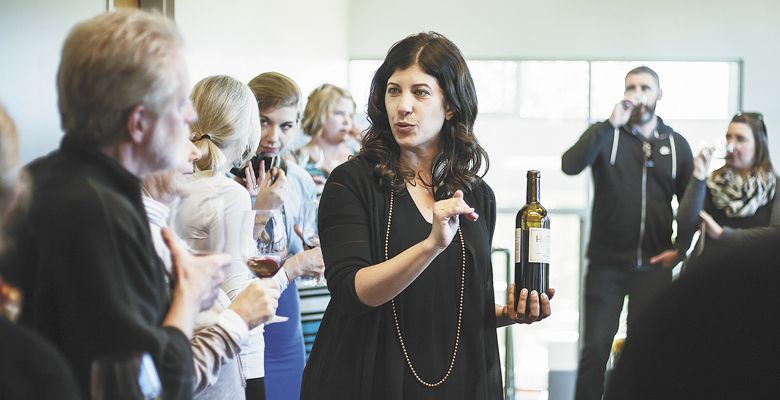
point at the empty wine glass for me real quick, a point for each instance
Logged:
(722, 149)
(131, 376)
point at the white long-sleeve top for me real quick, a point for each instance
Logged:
(218, 203)
(219, 331)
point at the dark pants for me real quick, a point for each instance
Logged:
(255, 389)
(605, 289)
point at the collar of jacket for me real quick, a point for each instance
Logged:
(122, 179)
(662, 131)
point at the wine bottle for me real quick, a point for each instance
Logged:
(532, 242)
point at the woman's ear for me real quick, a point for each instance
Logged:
(448, 113)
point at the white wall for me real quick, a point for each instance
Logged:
(595, 29)
(311, 40)
(31, 36)
(305, 39)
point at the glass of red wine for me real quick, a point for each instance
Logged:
(263, 254)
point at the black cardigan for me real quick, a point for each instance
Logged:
(352, 223)
(737, 231)
(85, 261)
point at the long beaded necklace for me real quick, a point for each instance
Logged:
(460, 306)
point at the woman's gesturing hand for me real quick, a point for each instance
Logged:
(445, 219)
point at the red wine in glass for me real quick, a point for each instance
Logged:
(264, 266)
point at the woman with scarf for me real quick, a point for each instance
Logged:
(736, 202)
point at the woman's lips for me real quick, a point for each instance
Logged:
(404, 127)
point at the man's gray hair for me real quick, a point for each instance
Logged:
(110, 64)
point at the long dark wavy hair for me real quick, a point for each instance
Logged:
(460, 158)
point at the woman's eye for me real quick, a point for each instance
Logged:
(393, 90)
(421, 92)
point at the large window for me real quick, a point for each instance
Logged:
(530, 113)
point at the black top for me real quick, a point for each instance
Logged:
(616, 225)
(356, 354)
(31, 368)
(428, 314)
(84, 259)
(736, 230)
(714, 334)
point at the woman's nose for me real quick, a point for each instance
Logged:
(405, 104)
(270, 134)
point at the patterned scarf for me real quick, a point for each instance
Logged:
(740, 196)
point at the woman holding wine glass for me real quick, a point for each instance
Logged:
(227, 133)
(283, 186)
(731, 205)
(406, 229)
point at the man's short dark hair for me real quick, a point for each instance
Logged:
(645, 70)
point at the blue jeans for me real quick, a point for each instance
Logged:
(605, 289)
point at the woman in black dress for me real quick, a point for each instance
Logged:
(406, 229)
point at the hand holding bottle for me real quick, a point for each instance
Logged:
(529, 308)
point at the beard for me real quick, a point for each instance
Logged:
(642, 114)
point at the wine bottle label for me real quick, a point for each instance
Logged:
(539, 245)
(518, 245)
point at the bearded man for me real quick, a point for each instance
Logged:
(638, 164)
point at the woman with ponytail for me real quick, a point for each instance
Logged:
(227, 134)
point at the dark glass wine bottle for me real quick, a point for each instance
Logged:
(532, 242)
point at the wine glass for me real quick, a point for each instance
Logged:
(200, 225)
(310, 236)
(202, 238)
(131, 376)
(266, 245)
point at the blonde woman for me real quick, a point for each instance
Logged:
(329, 120)
(221, 329)
(227, 133)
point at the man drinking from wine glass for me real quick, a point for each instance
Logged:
(638, 165)
(84, 255)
